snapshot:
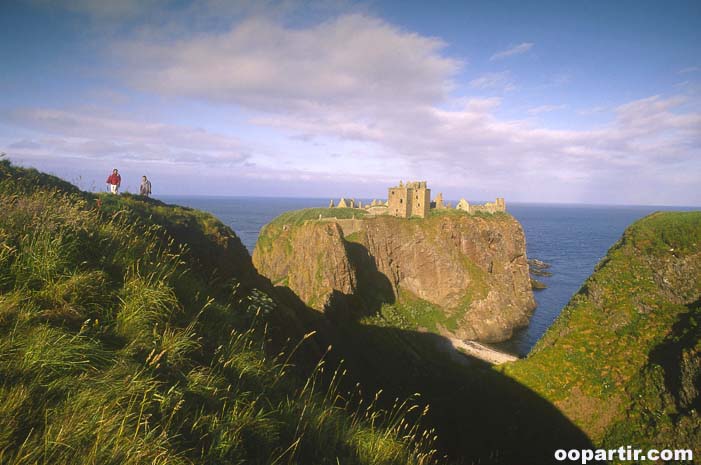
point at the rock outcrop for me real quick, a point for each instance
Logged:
(311, 259)
(472, 268)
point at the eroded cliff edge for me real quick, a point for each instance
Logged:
(623, 360)
(466, 275)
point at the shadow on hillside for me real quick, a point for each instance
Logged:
(373, 286)
(372, 289)
(480, 415)
(670, 356)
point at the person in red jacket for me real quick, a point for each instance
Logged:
(114, 181)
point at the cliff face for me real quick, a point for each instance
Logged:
(623, 360)
(311, 259)
(471, 269)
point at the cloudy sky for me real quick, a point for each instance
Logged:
(585, 102)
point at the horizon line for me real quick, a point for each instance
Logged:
(516, 202)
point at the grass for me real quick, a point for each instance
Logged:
(296, 217)
(597, 360)
(662, 233)
(438, 213)
(273, 231)
(411, 313)
(123, 341)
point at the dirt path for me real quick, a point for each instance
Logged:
(482, 352)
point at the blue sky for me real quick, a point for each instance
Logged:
(589, 102)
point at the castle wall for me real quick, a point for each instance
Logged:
(438, 204)
(414, 199)
(420, 202)
(490, 207)
(398, 201)
(377, 210)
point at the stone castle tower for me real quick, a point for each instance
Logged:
(412, 199)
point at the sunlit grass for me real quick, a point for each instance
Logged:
(117, 348)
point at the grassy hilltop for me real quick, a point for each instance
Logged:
(451, 273)
(135, 332)
(623, 360)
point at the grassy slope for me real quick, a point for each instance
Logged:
(118, 344)
(598, 361)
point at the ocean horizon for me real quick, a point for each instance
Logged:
(167, 197)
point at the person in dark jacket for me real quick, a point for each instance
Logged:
(145, 188)
(114, 181)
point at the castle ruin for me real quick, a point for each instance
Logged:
(414, 199)
(410, 199)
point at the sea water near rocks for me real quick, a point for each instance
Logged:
(571, 238)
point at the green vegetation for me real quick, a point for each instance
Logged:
(598, 360)
(409, 312)
(437, 213)
(357, 237)
(622, 361)
(296, 217)
(413, 313)
(663, 233)
(392, 342)
(117, 346)
(272, 231)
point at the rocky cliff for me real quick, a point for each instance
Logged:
(623, 360)
(468, 274)
(310, 259)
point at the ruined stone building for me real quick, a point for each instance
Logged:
(463, 205)
(438, 202)
(414, 199)
(489, 207)
(410, 199)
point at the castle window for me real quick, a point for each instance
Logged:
(401, 200)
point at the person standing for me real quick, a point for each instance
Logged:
(114, 181)
(145, 188)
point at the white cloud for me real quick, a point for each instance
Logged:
(519, 49)
(92, 136)
(690, 69)
(381, 97)
(501, 80)
(356, 79)
(471, 147)
(353, 60)
(593, 110)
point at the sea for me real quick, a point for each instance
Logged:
(570, 238)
